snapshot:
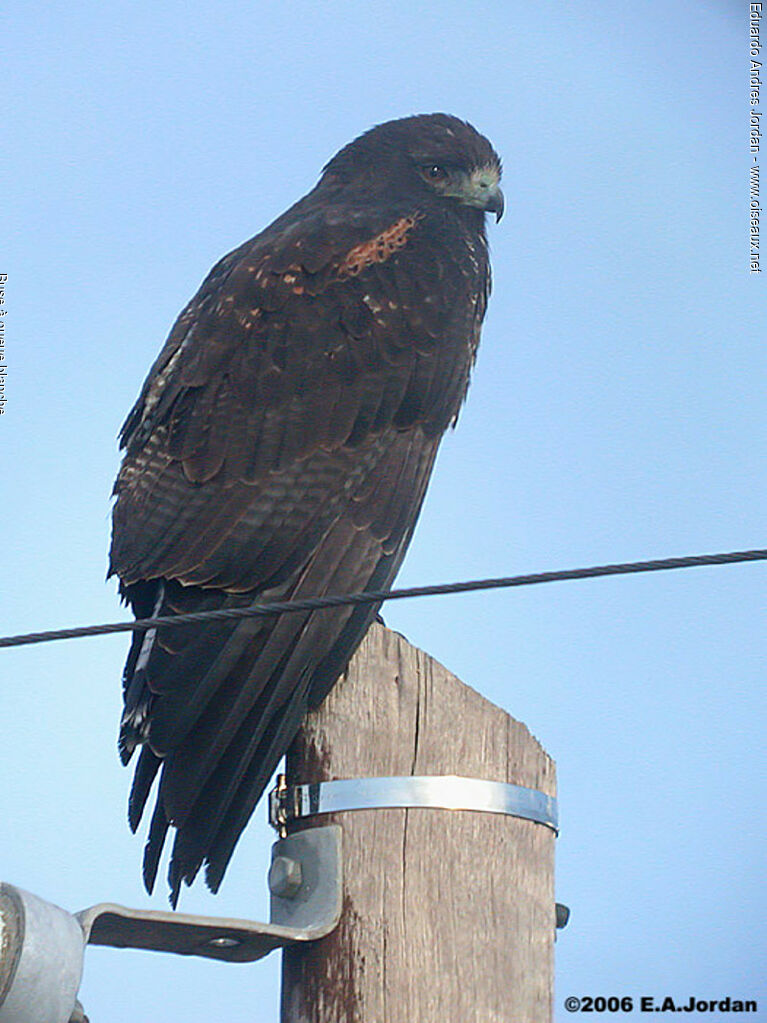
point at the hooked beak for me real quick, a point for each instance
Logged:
(495, 203)
(481, 190)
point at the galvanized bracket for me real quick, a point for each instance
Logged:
(305, 884)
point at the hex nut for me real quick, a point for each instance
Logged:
(285, 877)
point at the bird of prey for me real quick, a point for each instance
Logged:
(280, 448)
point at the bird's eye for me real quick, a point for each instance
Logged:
(433, 172)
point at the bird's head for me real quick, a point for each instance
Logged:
(434, 156)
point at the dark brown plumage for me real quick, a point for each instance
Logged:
(280, 448)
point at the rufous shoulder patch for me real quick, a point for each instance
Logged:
(378, 249)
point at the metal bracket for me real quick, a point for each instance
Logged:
(305, 881)
(42, 945)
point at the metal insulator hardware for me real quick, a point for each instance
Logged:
(42, 946)
(41, 959)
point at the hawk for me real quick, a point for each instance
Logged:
(280, 448)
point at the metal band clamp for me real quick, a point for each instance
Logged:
(446, 792)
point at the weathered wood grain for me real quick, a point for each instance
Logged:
(448, 915)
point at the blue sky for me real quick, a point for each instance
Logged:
(617, 413)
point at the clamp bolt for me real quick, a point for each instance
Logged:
(285, 877)
(224, 942)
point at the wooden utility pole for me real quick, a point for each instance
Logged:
(448, 914)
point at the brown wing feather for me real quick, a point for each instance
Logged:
(206, 443)
(280, 447)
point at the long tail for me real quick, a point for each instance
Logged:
(215, 707)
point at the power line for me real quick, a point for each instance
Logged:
(375, 596)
